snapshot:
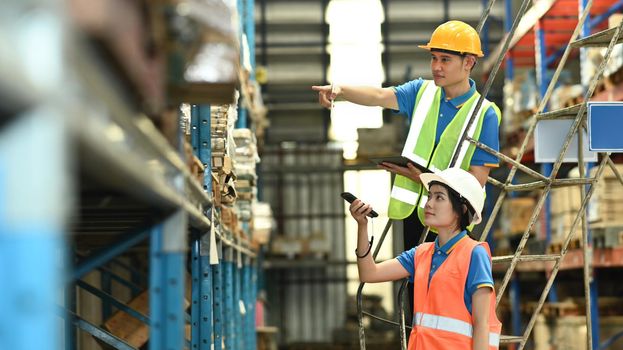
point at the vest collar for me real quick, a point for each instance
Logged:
(451, 244)
(458, 101)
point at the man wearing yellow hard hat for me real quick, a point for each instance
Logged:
(438, 110)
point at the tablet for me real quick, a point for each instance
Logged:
(401, 161)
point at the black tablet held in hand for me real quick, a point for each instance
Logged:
(349, 197)
(400, 161)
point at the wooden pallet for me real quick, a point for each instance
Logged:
(556, 247)
(561, 309)
(615, 78)
(573, 101)
(607, 236)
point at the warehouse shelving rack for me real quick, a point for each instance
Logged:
(543, 182)
(112, 184)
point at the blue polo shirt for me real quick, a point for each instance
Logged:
(406, 94)
(479, 274)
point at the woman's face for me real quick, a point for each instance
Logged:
(438, 212)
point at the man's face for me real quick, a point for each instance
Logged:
(449, 69)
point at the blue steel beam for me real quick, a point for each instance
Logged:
(254, 285)
(241, 122)
(202, 275)
(114, 301)
(95, 331)
(228, 295)
(33, 255)
(70, 305)
(205, 148)
(133, 287)
(247, 26)
(217, 278)
(106, 286)
(195, 329)
(616, 7)
(195, 130)
(591, 23)
(206, 301)
(239, 339)
(608, 342)
(107, 254)
(540, 57)
(251, 289)
(549, 60)
(244, 298)
(167, 285)
(249, 323)
(195, 294)
(138, 277)
(508, 24)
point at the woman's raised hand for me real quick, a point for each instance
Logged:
(359, 211)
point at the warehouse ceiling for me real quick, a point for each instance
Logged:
(291, 41)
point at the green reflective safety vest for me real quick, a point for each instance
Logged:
(420, 147)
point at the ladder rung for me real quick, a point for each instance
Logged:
(563, 113)
(510, 339)
(508, 258)
(598, 39)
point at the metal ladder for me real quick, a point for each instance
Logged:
(544, 183)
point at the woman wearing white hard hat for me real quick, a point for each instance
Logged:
(454, 297)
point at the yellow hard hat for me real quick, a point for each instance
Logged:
(455, 36)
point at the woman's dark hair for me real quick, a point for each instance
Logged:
(457, 202)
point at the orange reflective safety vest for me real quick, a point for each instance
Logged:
(441, 320)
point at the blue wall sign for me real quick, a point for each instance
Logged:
(605, 124)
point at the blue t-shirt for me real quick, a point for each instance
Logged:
(406, 94)
(479, 273)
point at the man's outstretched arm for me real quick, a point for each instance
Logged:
(361, 95)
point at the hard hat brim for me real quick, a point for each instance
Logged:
(429, 47)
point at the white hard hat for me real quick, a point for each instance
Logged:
(464, 184)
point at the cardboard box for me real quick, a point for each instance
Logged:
(517, 213)
(565, 199)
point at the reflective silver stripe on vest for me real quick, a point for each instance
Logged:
(423, 201)
(417, 121)
(485, 105)
(453, 325)
(404, 195)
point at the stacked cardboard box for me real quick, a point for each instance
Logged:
(520, 99)
(223, 118)
(606, 207)
(130, 329)
(564, 206)
(263, 222)
(245, 159)
(614, 67)
(516, 214)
